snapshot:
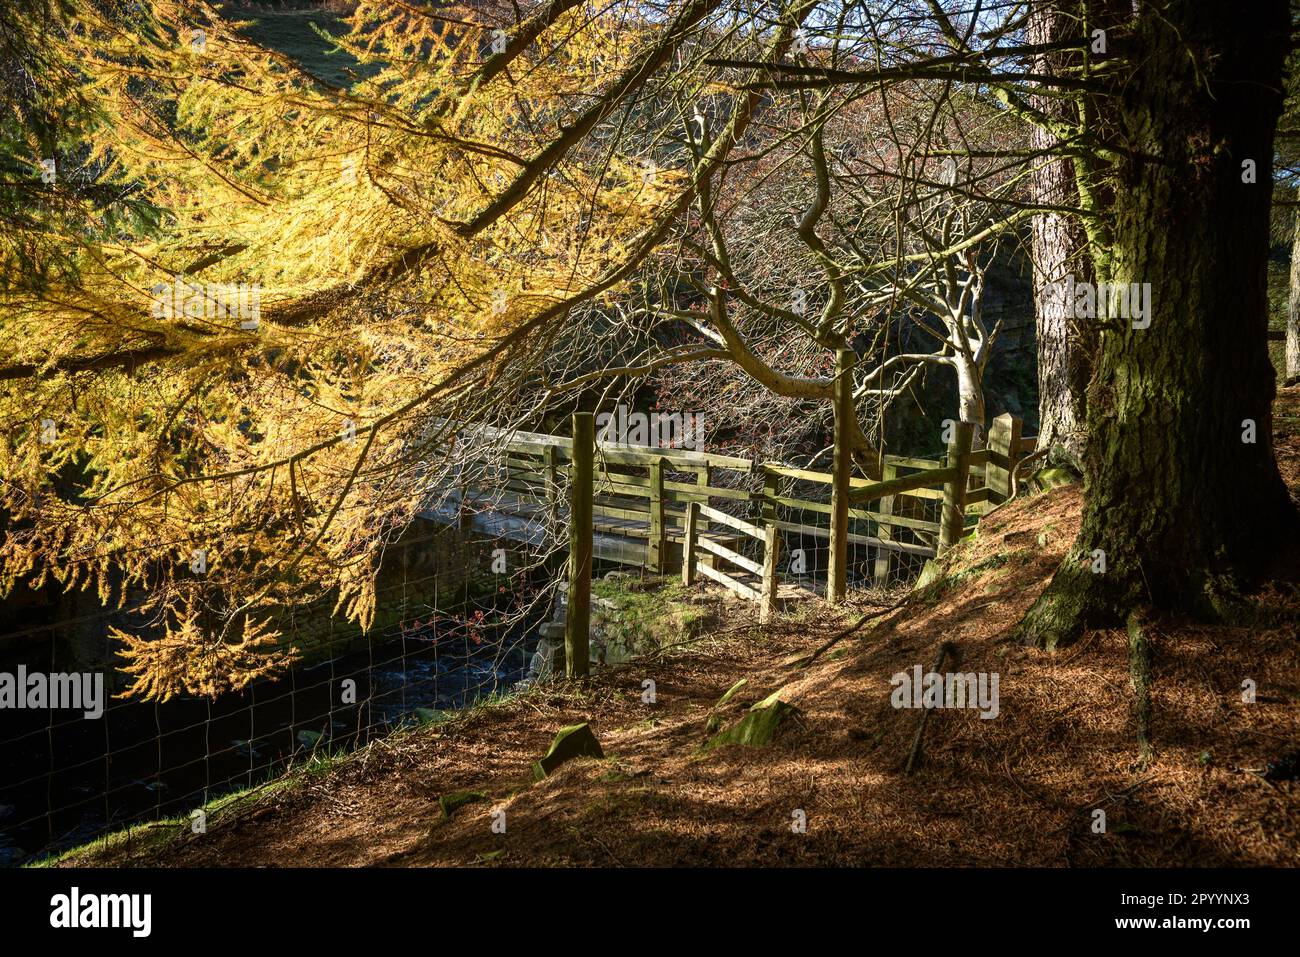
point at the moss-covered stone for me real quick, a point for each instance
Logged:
(731, 692)
(758, 727)
(714, 721)
(575, 741)
(458, 799)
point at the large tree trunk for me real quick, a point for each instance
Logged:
(1065, 346)
(1183, 509)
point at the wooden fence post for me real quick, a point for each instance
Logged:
(771, 489)
(837, 577)
(771, 554)
(655, 543)
(953, 520)
(883, 532)
(688, 543)
(577, 625)
(551, 460)
(1004, 439)
(703, 474)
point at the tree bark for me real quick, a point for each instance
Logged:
(1293, 315)
(970, 396)
(1065, 347)
(1183, 508)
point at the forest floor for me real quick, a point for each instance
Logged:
(1020, 789)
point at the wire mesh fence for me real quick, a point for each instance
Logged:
(444, 641)
(889, 540)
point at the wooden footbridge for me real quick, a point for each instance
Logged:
(722, 517)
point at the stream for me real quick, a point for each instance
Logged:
(65, 780)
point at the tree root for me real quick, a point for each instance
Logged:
(947, 650)
(1075, 600)
(852, 629)
(1225, 602)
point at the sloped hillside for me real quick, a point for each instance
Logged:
(1022, 788)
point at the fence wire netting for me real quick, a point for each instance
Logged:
(442, 642)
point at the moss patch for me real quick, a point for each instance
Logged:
(448, 803)
(646, 615)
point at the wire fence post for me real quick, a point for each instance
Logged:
(884, 532)
(688, 543)
(703, 475)
(578, 619)
(771, 581)
(771, 492)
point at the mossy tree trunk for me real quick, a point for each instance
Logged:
(1182, 507)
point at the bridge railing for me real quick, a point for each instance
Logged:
(646, 503)
(638, 493)
(643, 493)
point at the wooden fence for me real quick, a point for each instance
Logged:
(766, 595)
(659, 508)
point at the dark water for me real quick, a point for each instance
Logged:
(65, 780)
